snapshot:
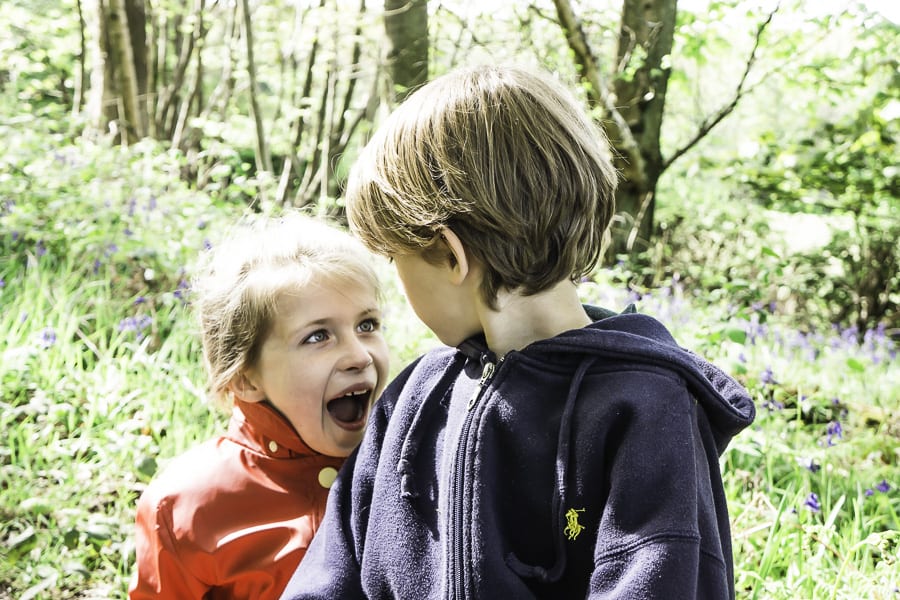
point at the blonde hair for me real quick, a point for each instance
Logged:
(506, 158)
(236, 292)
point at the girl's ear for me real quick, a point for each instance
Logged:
(459, 263)
(245, 388)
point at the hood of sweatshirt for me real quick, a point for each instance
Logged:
(631, 337)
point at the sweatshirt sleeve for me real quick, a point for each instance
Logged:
(331, 567)
(664, 530)
(159, 570)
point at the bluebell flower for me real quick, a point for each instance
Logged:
(812, 502)
(834, 431)
(808, 463)
(137, 325)
(47, 337)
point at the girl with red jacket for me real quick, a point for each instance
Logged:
(289, 313)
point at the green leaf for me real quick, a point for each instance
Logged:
(736, 335)
(856, 365)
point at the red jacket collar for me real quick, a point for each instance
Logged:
(259, 426)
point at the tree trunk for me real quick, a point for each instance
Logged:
(406, 25)
(645, 42)
(137, 33)
(80, 87)
(101, 107)
(263, 160)
(632, 106)
(131, 122)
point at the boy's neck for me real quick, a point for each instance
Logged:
(520, 320)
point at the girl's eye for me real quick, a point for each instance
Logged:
(369, 326)
(316, 336)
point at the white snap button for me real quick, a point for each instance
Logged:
(327, 477)
(273, 446)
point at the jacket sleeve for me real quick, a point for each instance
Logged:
(331, 567)
(664, 529)
(159, 570)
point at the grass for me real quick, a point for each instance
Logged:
(102, 384)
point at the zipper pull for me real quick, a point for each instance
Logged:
(485, 375)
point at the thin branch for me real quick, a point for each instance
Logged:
(599, 90)
(710, 122)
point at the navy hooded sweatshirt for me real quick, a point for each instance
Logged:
(583, 466)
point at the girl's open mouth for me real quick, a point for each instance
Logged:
(350, 411)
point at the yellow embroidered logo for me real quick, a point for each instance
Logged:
(573, 527)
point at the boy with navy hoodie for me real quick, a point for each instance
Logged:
(553, 450)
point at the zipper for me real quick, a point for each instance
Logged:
(486, 373)
(458, 490)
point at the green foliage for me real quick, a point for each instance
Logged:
(847, 169)
(37, 71)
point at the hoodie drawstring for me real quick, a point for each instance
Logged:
(560, 490)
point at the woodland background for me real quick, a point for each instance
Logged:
(758, 218)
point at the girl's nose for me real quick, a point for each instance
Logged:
(357, 355)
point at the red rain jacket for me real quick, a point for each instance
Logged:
(232, 517)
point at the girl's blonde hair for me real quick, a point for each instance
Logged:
(236, 292)
(506, 158)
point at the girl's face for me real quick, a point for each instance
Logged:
(324, 362)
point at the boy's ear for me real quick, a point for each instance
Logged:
(245, 388)
(459, 262)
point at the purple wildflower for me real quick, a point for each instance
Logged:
(140, 300)
(767, 376)
(809, 464)
(181, 291)
(97, 265)
(812, 502)
(47, 337)
(883, 486)
(869, 492)
(2, 283)
(834, 430)
(771, 405)
(137, 325)
(40, 249)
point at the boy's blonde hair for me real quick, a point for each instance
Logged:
(507, 159)
(236, 292)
